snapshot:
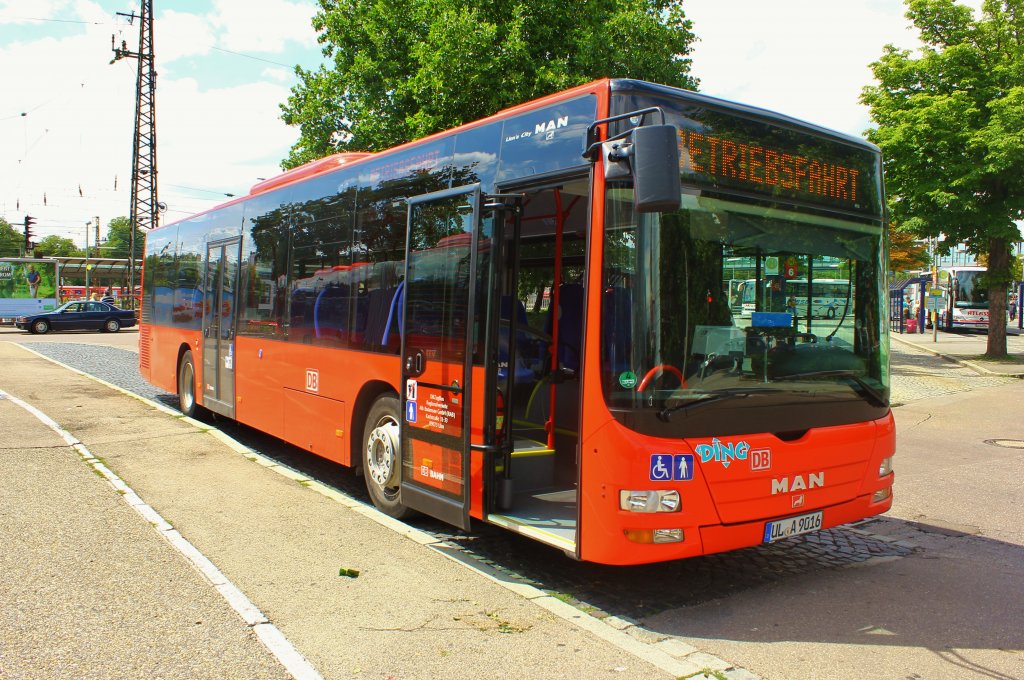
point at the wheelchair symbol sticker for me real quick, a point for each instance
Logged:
(666, 467)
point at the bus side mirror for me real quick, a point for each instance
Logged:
(655, 167)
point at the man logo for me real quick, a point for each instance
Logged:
(551, 125)
(797, 483)
(798, 500)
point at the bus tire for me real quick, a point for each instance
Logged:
(187, 386)
(382, 456)
(830, 313)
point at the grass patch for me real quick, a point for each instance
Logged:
(505, 626)
(708, 673)
(1008, 359)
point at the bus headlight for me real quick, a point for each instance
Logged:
(650, 501)
(886, 467)
(881, 495)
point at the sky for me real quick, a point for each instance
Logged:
(225, 66)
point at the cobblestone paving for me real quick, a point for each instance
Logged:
(640, 591)
(919, 375)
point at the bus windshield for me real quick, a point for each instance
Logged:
(808, 328)
(967, 290)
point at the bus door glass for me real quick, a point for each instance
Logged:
(437, 335)
(219, 316)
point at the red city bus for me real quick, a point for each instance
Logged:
(525, 321)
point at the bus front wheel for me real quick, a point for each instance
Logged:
(382, 457)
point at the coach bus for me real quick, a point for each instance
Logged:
(828, 297)
(523, 322)
(965, 303)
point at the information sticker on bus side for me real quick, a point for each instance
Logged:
(792, 526)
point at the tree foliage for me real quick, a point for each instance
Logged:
(57, 246)
(118, 231)
(951, 126)
(12, 241)
(906, 252)
(406, 68)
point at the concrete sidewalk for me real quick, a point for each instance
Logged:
(89, 589)
(968, 348)
(410, 613)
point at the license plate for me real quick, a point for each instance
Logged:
(791, 526)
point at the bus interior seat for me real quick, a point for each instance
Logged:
(378, 306)
(330, 312)
(617, 329)
(530, 352)
(394, 315)
(570, 325)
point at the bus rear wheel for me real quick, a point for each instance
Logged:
(187, 386)
(382, 457)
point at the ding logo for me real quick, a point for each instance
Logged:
(723, 453)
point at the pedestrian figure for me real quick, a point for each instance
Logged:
(33, 278)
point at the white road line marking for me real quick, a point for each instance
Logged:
(272, 638)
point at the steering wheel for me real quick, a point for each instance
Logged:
(660, 369)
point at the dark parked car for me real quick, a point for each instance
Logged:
(79, 315)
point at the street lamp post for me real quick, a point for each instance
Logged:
(87, 225)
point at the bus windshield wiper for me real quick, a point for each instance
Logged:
(716, 396)
(863, 386)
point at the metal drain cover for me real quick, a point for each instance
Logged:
(1006, 443)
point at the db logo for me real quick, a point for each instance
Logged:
(312, 380)
(760, 459)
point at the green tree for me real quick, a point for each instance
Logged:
(116, 245)
(951, 126)
(407, 68)
(12, 241)
(57, 246)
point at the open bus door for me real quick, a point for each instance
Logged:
(438, 304)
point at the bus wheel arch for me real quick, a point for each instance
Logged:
(380, 455)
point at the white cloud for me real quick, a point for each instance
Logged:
(282, 75)
(179, 34)
(80, 116)
(264, 26)
(805, 58)
(19, 11)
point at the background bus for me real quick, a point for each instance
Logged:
(966, 299)
(828, 298)
(494, 326)
(27, 286)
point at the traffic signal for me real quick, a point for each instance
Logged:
(29, 221)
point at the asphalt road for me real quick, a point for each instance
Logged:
(933, 589)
